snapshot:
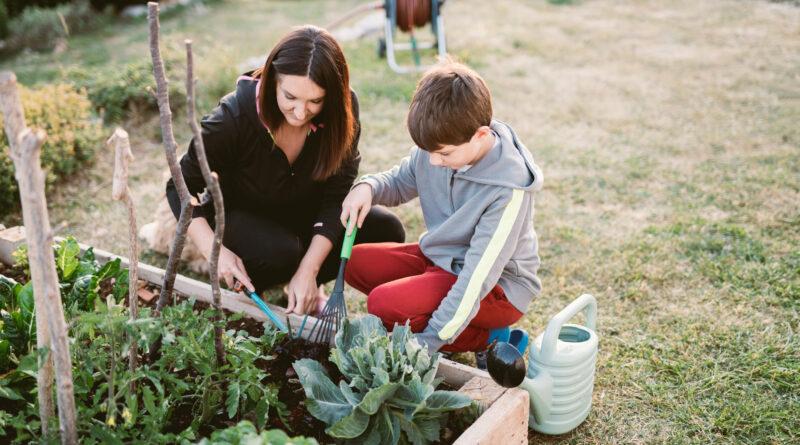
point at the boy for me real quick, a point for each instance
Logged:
(474, 271)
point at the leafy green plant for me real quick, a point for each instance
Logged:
(18, 331)
(388, 393)
(39, 28)
(81, 280)
(73, 135)
(245, 433)
(117, 90)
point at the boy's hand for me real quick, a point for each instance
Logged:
(356, 205)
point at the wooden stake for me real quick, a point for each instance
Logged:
(212, 184)
(121, 192)
(50, 322)
(171, 149)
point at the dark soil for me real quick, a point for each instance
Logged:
(15, 273)
(299, 421)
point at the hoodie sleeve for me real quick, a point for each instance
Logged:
(395, 186)
(491, 247)
(218, 131)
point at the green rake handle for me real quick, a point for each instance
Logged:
(347, 246)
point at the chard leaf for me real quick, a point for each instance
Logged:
(67, 260)
(325, 400)
(350, 426)
(25, 302)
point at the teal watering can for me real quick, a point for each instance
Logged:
(561, 366)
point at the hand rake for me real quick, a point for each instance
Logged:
(335, 309)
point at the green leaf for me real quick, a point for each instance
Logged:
(5, 354)
(67, 260)
(420, 431)
(120, 289)
(149, 401)
(232, 401)
(443, 401)
(7, 293)
(376, 396)
(9, 393)
(350, 426)
(262, 408)
(25, 301)
(325, 400)
(351, 397)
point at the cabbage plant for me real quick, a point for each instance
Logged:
(388, 392)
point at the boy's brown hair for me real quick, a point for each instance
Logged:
(449, 105)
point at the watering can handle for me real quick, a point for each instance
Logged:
(584, 302)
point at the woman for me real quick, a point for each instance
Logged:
(285, 147)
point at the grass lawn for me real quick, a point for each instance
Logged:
(669, 139)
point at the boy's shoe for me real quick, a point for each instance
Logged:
(480, 359)
(519, 339)
(499, 334)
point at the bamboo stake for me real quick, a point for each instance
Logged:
(26, 147)
(170, 148)
(212, 183)
(121, 192)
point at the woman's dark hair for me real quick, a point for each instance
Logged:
(313, 52)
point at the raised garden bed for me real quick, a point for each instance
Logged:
(504, 421)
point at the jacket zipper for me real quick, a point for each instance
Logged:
(452, 180)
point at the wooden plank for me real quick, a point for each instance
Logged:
(484, 391)
(232, 301)
(458, 374)
(504, 423)
(10, 239)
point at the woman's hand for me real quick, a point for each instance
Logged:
(303, 292)
(231, 268)
(356, 205)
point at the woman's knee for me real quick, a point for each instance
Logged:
(383, 226)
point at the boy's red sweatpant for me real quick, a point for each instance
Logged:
(402, 284)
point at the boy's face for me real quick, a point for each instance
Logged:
(458, 156)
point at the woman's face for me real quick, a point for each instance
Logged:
(299, 99)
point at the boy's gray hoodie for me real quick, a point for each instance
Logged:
(480, 226)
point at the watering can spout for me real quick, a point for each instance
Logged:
(540, 389)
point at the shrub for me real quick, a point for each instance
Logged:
(72, 136)
(3, 19)
(116, 90)
(39, 28)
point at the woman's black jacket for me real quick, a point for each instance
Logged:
(256, 177)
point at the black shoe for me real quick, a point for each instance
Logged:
(480, 360)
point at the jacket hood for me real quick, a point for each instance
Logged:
(509, 165)
(246, 95)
